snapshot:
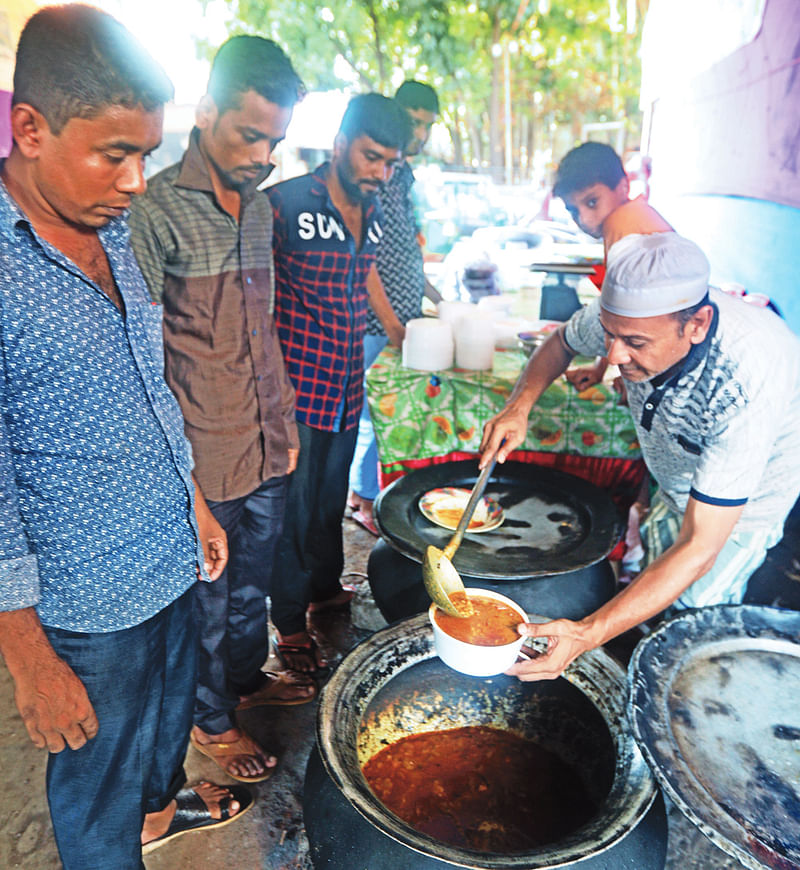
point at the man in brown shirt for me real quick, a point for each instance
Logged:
(203, 239)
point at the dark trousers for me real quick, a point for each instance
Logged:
(232, 611)
(310, 555)
(140, 681)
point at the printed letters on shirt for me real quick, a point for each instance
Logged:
(310, 225)
(324, 226)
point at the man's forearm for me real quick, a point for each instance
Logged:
(201, 508)
(22, 639)
(213, 538)
(705, 530)
(382, 307)
(545, 365)
(506, 430)
(51, 700)
(432, 293)
(652, 592)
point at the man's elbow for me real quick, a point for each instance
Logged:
(703, 559)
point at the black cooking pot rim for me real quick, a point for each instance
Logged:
(500, 554)
(400, 646)
(713, 708)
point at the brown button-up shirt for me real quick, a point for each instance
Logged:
(216, 280)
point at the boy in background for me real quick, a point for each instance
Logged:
(591, 181)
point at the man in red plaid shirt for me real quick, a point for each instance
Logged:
(326, 230)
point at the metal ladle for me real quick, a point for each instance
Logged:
(438, 572)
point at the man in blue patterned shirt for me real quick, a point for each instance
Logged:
(102, 531)
(400, 268)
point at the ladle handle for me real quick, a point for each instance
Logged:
(469, 510)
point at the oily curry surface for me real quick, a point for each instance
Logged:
(492, 623)
(480, 788)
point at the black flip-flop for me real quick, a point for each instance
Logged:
(192, 814)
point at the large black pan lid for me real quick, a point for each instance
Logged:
(715, 708)
(554, 522)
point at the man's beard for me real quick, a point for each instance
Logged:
(231, 182)
(353, 191)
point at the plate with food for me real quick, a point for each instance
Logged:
(444, 507)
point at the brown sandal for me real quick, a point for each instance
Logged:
(219, 752)
(278, 689)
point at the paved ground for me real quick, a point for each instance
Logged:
(271, 836)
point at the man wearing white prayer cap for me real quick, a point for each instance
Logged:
(714, 389)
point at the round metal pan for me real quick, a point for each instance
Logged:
(713, 706)
(554, 522)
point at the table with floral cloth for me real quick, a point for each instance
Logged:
(422, 418)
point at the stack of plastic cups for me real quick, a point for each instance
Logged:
(474, 340)
(428, 345)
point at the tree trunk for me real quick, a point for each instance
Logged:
(495, 140)
(458, 144)
(520, 157)
(477, 143)
(379, 58)
(531, 148)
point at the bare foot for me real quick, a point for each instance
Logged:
(340, 601)
(236, 753)
(365, 505)
(299, 652)
(156, 824)
(358, 503)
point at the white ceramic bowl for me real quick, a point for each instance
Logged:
(469, 658)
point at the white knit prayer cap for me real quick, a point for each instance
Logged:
(648, 275)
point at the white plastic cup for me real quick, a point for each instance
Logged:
(451, 311)
(497, 307)
(428, 345)
(474, 340)
(470, 658)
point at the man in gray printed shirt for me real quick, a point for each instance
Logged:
(400, 268)
(714, 389)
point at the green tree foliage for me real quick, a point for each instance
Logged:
(569, 61)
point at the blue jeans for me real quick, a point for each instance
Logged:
(140, 681)
(311, 555)
(364, 468)
(232, 612)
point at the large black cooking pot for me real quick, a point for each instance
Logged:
(393, 684)
(548, 555)
(714, 707)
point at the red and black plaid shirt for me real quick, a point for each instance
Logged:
(321, 299)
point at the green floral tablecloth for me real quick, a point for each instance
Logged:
(417, 415)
